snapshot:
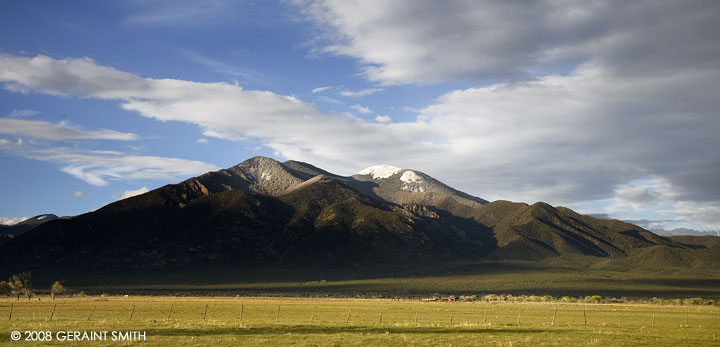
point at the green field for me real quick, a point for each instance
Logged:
(230, 321)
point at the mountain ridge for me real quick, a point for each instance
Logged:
(269, 213)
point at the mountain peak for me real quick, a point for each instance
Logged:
(380, 171)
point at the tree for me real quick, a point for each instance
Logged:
(4, 288)
(57, 289)
(15, 288)
(21, 284)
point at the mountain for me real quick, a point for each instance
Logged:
(9, 232)
(262, 212)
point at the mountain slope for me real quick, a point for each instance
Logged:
(541, 231)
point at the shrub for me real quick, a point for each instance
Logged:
(491, 297)
(659, 301)
(694, 301)
(81, 294)
(594, 299)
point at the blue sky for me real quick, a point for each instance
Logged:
(603, 108)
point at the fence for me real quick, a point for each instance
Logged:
(361, 313)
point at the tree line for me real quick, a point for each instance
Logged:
(20, 285)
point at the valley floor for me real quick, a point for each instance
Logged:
(230, 321)
(516, 278)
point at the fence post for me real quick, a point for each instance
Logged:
(11, 311)
(169, 312)
(584, 318)
(381, 312)
(347, 319)
(53, 312)
(416, 315)
(277, 315)
(242, 310)
(518, 320)
(554, 315)
(620, 322)
(91, 313)
(452, 312)
(653, 321)
(312, 316)
(485, 317)
(205, 313)
(132, 312)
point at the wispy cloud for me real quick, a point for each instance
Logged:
(45, 130)
(23, 113)
(225, 68)
(321, 89)
(177, 12)
(359, 93)
(100, 167)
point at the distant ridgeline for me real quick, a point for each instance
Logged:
(293, 214)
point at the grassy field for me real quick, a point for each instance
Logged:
(224, 321)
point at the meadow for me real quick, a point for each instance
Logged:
(322, 321)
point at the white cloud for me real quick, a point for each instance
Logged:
(22, 113)
(130, 193)
(694, 212)
(642, 196)
(383, 119)
(426, 41)
(558, 138)
(78, 194)
(12, 220)
(359, 93)
(361, 109)
(46, 130)
(320, 89)
(202, 141)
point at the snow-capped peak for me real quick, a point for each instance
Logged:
(380, 171)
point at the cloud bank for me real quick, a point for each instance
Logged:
(571, 102)
(426, 41)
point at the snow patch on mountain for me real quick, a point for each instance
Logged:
(410, 176)
(380, 171)
(412, 182)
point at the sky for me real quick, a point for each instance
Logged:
(607, 107)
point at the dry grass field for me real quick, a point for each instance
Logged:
(253, 321)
